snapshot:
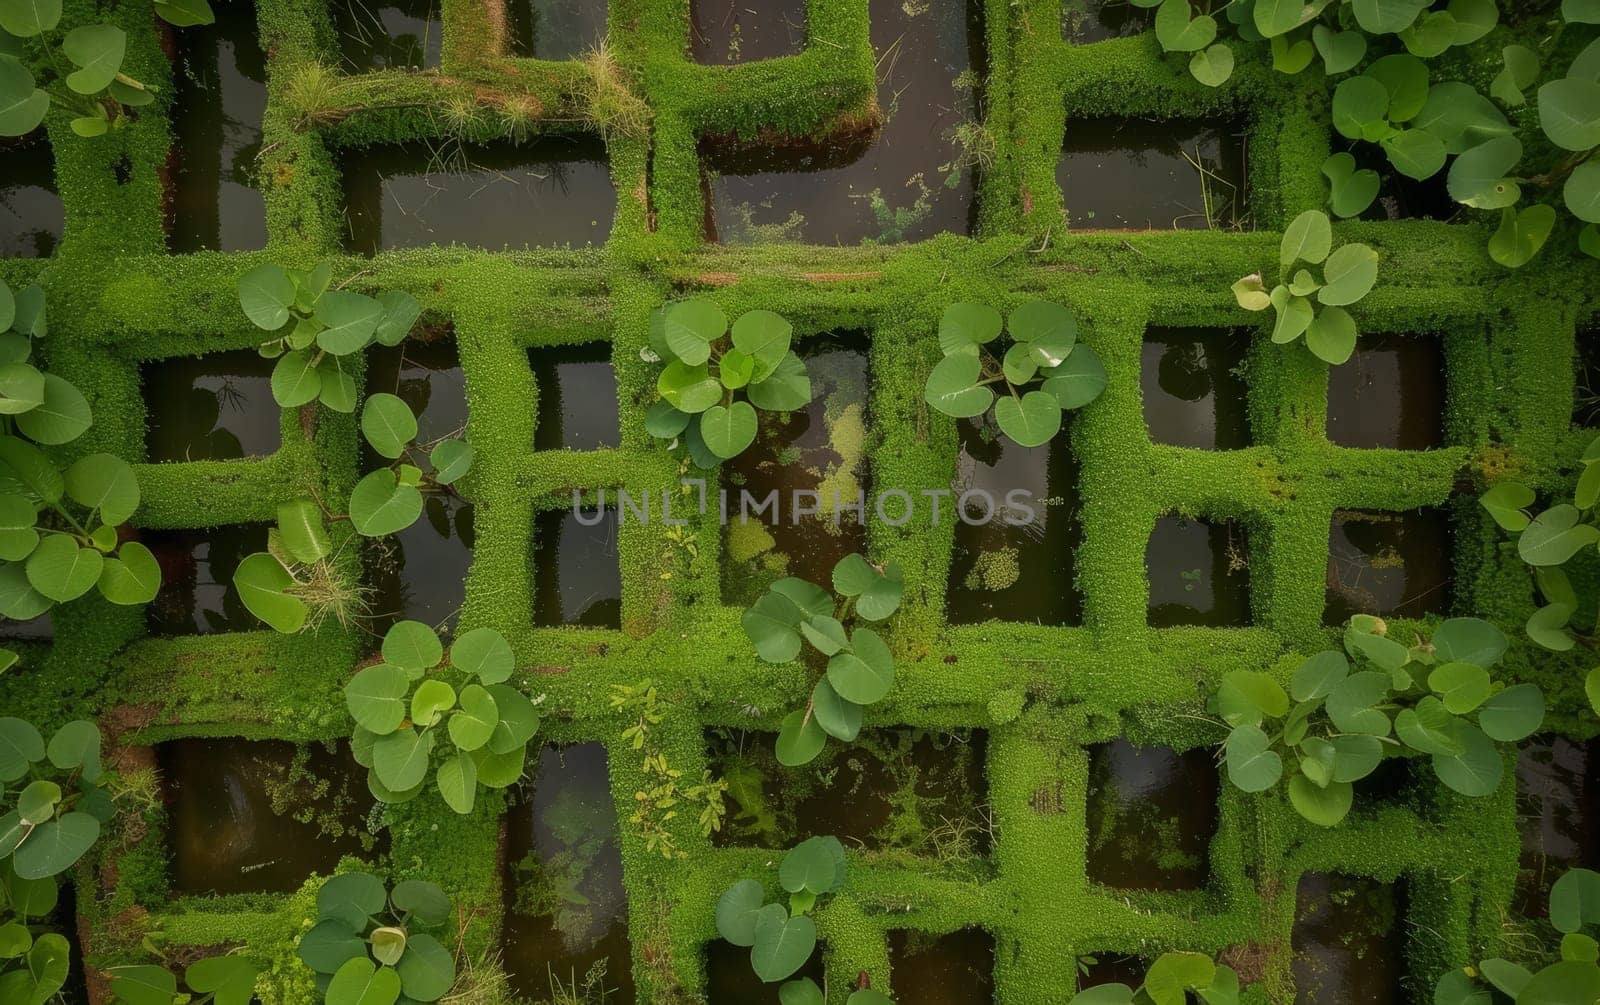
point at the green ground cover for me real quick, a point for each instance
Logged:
(1041, 697)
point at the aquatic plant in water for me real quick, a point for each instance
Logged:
(1308, 306)
(54, 808)
(1546, 542)
(1044, 347)
(1414, 699)
(1574, 977)
(225, 980)
(487, 722)
(97, 94)
(707, 363)
(860, 669)
(1168, 982)
(59, 536)
(368, 946)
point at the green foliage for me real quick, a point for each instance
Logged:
(781, 938)
(1308, 306)
(860, 667)
(97, 93)
(58, 527)
(461, 719)
(372, 946)
(51, 812)
(329, 326)
(225, 980)
(1547, 541)
(287, 585)
(1043, 346)
(1575, 977)
(656, 804)
(1168, 982)
(1334, 722)
(706, 364)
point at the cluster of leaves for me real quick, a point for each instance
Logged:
(782, 938)
(1299, 31)
(330, 326)
(224, 980)
(1335, 723)
(1420, 125)
(860, 668)
(707, 364)
(58, 528)
(1168, 982)
(657, 804)
(54, 808)
(1546, 542)
(97, 93)
(1574, 904)
(1305, 305)
(1043, 346)
(367, 947)
(403, 706)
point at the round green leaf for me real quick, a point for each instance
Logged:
(772, 623)
(518, 719)
(450, 459)
(1575, 900)
(484, 653)
(296, 379)
(1521, 234)
(805, 992)
(1308, 238)
(131, 577)
(1030, 421)
(349, 321)
(954, 389)
(1355, 756)
(838, 718)
(412, 645)
(782, 943)
(1212, 66)
(266, 293)
(764, 337)
(1469, 640)
(474, 723)
(1462, 686)
(1357, 103)
(736, 912)
(691, 326)
(1349, 275)
(359, 981)
(964, 327)
(423, 901)
(866, 672)
(62, 571)
(22, 105)
(106, 483)
(427, 970)
(1324, 807)
(800, 739)
(1049, 330)
(1478, 177)
(431, 700)
(457, 779)
(21, 387)
(262, 582)
(76, 745)
(1476, 771)
(689, 388)
(388, 424)
(380, 505)
(376, 698)
(1318, 676)
(1078, 380)
(354, 897)
(1582, 192)
(1569, 112)
(1429, 727)
(401, 758)
(53, 847)
(328, 944)
(18, 519)
(813, 865)
(1512, 715)
(400, 312)
(1331, 336)
(98, 50)
(785, 389)
(1555, 536)
(665, 422)
(62, 417)
(1253, 765)
(20, 746)
(142, 984)
(729, 430)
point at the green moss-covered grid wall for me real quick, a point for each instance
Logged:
(117, 300)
